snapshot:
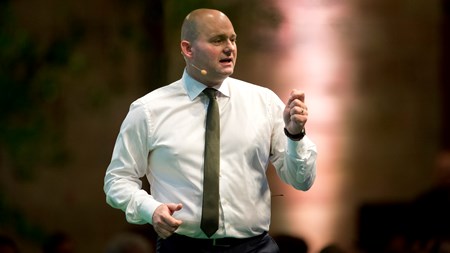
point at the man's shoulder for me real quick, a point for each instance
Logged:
(241, 84)
(252, 88)
(161, 93)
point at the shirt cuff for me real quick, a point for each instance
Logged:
(147, 208)
(293, 148)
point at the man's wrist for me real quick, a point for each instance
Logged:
(295, 137)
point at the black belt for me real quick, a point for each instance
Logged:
(218, 242)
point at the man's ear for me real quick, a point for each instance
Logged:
(186, 48)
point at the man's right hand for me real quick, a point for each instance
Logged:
(163, 221)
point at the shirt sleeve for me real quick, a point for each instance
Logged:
(294, 161)
(122, 182)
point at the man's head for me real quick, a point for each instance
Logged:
(208, 42)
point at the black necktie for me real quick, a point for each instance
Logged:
(210, 209)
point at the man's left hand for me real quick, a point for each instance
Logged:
(296, 112)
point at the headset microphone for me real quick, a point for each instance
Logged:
(203, 71)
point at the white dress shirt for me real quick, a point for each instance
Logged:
(162, 138)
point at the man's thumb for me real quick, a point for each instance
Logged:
(174, 207)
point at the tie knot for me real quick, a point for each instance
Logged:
(210, 92)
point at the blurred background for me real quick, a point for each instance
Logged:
(377, 82)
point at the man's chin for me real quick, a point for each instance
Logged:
(227, 72)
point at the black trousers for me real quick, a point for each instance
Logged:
(178, 243)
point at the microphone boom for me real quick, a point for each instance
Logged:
(203, 71)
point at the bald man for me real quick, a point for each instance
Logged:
(163, 138)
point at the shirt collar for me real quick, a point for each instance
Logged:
(194, 87)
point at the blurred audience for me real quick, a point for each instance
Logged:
(431, 209)
(332, 248)
(288, 243)
(58, 242)
(418, 226)
(8, 245)
(130, 242)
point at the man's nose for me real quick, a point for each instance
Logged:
(229, 47)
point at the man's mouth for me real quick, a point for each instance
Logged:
(227, 60)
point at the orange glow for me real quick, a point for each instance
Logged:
(315, 60)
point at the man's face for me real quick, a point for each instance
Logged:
(215, 48)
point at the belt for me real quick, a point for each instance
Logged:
(214, 242)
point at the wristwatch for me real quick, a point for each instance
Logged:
(295, 137)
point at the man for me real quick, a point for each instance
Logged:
(163, 138)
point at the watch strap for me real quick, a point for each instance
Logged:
(295, 137)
